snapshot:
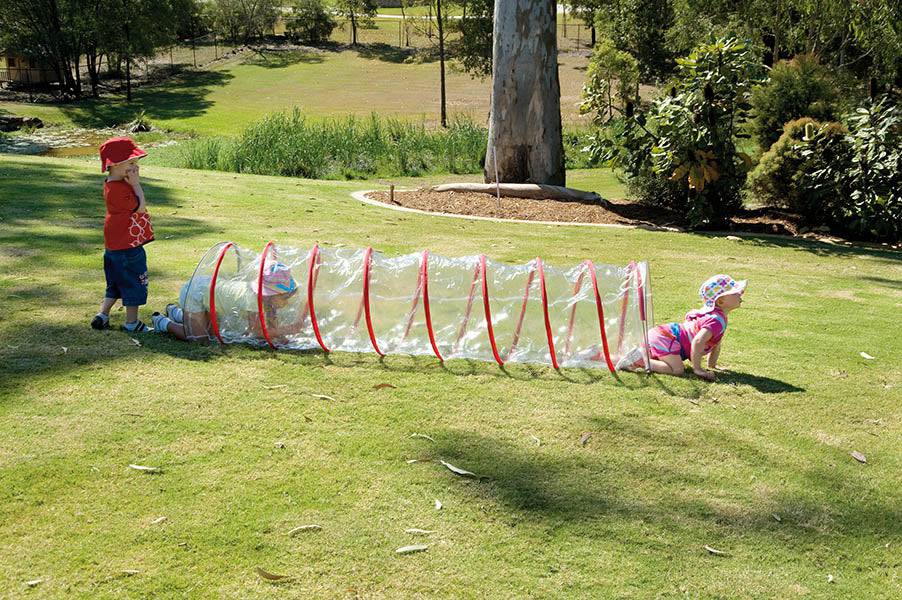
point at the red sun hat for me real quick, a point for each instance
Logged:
(118, 150)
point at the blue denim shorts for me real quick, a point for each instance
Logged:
(126, 275)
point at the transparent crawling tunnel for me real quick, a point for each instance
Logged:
(360, 300)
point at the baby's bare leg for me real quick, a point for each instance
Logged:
(670, 364)
(107, 305)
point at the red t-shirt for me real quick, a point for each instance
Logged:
(123, 227)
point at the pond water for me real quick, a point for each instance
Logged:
(61, 142)
(56, 141)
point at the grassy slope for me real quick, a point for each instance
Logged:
(223, 101)
(673, 464)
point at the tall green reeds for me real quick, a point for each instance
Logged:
(349, 148)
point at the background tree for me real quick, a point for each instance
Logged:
(640, 28)
(244, 19)
(525, 122)
(359, 13)
(612, 75)
(471, 47)
(587, 11)
(310, 21)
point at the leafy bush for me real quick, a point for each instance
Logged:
(310, 21)
(872, 180)
(351, 148)
(689, 137)
(800, 87)
(850, 180)
(612, 75)
(783, 176)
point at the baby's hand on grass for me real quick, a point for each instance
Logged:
(707, 375)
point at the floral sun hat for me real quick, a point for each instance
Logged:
(277, 279)
(717, 286)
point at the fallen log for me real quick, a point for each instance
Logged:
(532, 191)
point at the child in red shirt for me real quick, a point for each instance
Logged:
(126, 229)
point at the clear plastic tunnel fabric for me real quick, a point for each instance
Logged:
(359, 300)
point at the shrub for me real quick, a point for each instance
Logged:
(613, 75)
(310, 21)
(783, 176)
(847, 179)
(689, 136)
(872, 180)
(800, 87)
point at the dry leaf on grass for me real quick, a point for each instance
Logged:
(411, 549)
(416, 531)
(280, 445)
(858, 456)
(584, 438)
(280, 386)
(777, 518)
(130, 572)
(271, 576)
(866, 356)
(136, 342)
(412, 460)
(308, 419)
(158, 520)
(303, 528)
(422, 435)
(322, 397)
(457, 470)
(33, 582)
(65, 350)
(734, 238)
(382, 386)
(438, 504)
(144, 469)
(536, 440)
(829, 578)
(715, 551)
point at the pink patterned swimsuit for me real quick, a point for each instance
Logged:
(676, 338)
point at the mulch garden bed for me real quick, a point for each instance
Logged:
(610, 212)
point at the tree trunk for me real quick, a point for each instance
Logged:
(441, 61)
(525, 122)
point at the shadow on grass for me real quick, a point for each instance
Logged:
(68, 206)
(815, 247)
(180, 97)
(389, 53)
(636, 470)
(882, 281)
(279, 59)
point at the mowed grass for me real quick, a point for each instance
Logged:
(224, 100)
(756, 465)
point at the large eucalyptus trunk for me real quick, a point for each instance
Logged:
(525, 123)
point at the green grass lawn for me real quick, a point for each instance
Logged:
(756, 465)
(226, 99)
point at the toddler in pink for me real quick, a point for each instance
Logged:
(670, 344)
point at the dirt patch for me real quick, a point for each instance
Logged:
(484, 205)
(620, 212)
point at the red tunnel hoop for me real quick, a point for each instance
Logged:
(425, 271)
(548, 332)
(601, 324)
(466, 320)
(260, 295)
(367, 263)
(312, 275)
(214, 321)
(488, 311)
(518, 328)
